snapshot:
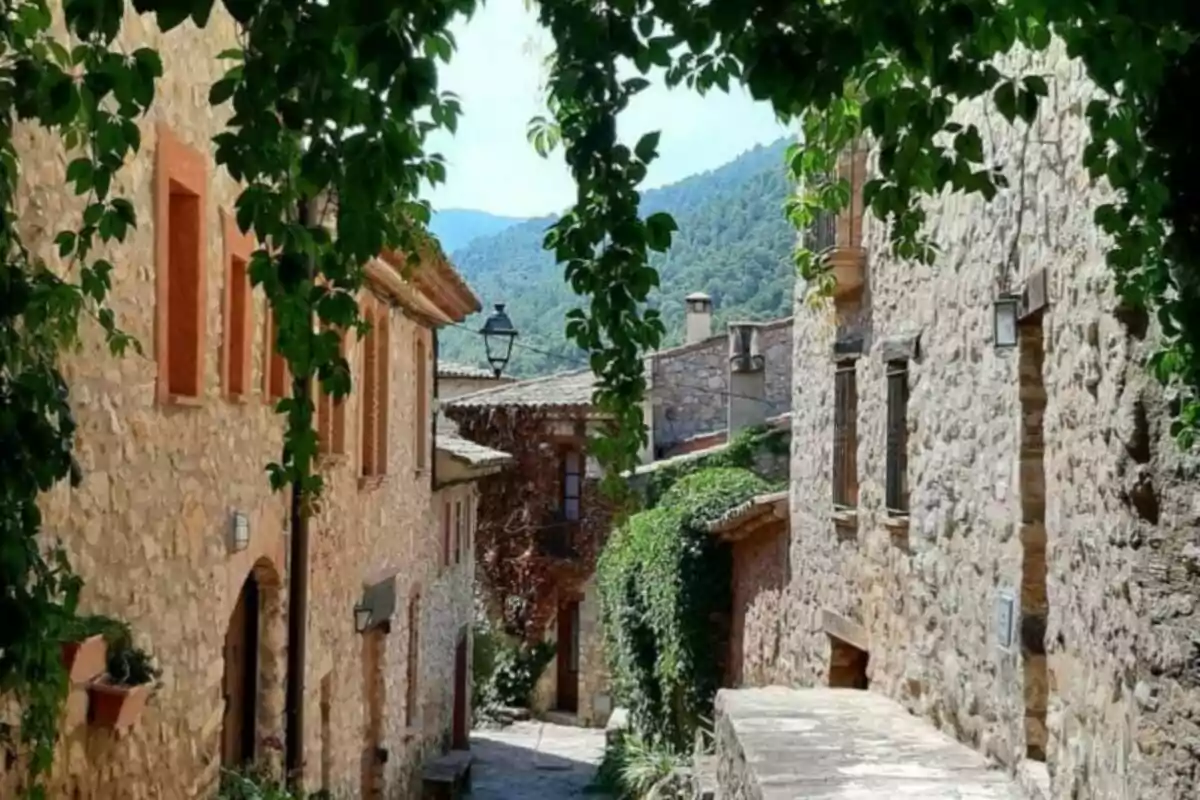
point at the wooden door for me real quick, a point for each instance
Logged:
(461, 733)
(240, 681)
(373, 703)
(568, 656)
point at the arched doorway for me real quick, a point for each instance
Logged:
(252, 685)
(241, 679)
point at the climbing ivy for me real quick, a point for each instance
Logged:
(90, 96)
(664, 581)
(332, 103)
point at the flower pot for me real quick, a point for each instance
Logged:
(85, 659)
(849, 266)
(116, 707)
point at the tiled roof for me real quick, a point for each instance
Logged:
(452, 369)
(566, 389)
(474, 454)
(754, 507)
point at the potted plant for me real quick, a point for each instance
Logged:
(118, 697)
(85, 651)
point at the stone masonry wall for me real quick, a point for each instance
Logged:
(691, 383)
(148, 528)
(1120, 512)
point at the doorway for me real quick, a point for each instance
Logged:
(374, 699)
(241, 678)
(461, 732)
(1035, 604)
(847, 665)
(568, 657)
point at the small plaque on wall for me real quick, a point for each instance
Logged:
(1005, 616)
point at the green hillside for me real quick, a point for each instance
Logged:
(458, 227)
(733, 243)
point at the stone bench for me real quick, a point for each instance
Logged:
(446, 777)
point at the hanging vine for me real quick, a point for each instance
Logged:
(332, 104)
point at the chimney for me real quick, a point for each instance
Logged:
(747, 378)
(698, 325)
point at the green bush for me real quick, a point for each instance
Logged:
(504, 670)
(517, 671)
(637, 768)
(253, 783)
(663, 580)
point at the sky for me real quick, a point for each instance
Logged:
(498, 74)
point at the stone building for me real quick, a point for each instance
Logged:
(174, 527)
(1001, 538)
(541, 525)
(689, 385)
(697, 399)
(455, 380)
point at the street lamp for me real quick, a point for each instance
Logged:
(362, 618)
(498, 334)
(1004, 322)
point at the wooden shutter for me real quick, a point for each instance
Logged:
(897, 437)
(845, 436)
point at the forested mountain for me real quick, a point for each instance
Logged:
(458, 227)
(733, 242)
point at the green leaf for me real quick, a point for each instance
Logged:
(1005, 97)
(647, 147)
(80, 172)
(659, 227)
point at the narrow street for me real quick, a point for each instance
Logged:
(534, 761)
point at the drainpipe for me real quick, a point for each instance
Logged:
(297, 603)
(431, 456)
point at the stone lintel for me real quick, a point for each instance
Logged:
(906, 347)
(847, 347)
(844, 628)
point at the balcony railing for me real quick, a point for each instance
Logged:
(557, 539)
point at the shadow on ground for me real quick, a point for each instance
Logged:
(535, 761)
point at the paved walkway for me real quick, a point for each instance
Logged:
(534, 761)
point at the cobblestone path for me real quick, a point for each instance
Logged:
(534, 761)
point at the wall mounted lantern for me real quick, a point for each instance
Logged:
(377, 606)
(362, 618)
(498, 334)
(1004, 321)
(239, 531)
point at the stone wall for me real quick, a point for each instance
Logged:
(1119, 515)
(690, 384)
(148, 529)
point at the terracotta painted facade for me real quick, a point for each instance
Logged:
(174, 446)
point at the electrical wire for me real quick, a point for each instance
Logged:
(575, 363)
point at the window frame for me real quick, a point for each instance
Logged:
(845, 435)
(178, 164)
(896, 498)
(565, 497)
(239, 361)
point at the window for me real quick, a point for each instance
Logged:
(331, 418)
(422, 417)
(374, 380)
(458, 532)
(896, 498)
(276, 377)
(845, 436)
(446, 534)
(413, 662)
(180, 194)
(572, 484)
(238, 311)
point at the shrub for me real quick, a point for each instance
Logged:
(253, 783)
(663, 582)
(637, 768)
(517, 671)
